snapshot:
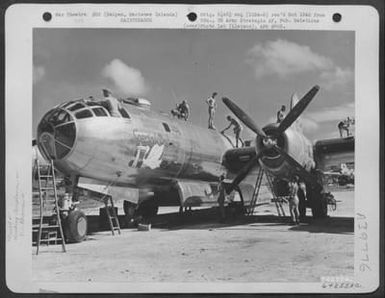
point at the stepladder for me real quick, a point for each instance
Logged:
(48, 225)
(112, 215)
(278, 200)
(256, 193)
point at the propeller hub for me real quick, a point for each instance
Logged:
(273, 139)
(269, 142)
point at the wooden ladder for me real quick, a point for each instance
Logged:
(111, 215)
(257, 187)
(277, 200)
(48, 232)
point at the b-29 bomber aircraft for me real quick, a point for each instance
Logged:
(170, 162)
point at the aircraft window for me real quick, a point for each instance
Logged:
(61, 150)
(67, 104)
(45, 126)
(166, 127)
(93, 104)
(47, 116)
(76, 107)
(60, 117)
(83, 114)
(66, 134)
(64, 117)
(47, 144)
(124, 113)
(99, 112)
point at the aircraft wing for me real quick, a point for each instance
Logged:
(329, 154)
(191, 192)
(106, 189)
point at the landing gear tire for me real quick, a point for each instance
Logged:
(75, 226)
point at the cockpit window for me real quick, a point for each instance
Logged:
(61, 150)
(45, 126)
(83, 114)
(63, 106)
(59, 117)
(63, 117)
(124, 113)
(76, 107)
(99, 112)
(166, 127)
(65, 134)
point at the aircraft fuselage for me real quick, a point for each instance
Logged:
(144, 146)
(133, 150)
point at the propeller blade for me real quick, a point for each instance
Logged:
(300, 169)
(243, 173)
(243, 117)
(298, 109)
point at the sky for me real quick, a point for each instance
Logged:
(259, 70)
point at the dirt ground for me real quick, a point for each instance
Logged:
(196, 248)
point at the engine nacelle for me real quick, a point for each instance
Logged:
(292, 142)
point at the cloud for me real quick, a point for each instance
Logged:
(38, 73)
(308, 125)
(284, 59)
(337, 113)
(336, 77)
(127, 79)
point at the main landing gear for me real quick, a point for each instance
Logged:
(74, 221)
(75, 226)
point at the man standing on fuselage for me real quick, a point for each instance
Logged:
(212, 107)
(237, 130)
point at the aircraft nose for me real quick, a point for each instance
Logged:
(56, 134)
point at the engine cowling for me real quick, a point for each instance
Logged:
(292, 142)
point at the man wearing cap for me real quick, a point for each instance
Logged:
(113, 105)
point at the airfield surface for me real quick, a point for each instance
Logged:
(197, 248)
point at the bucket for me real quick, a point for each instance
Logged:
(144, 227)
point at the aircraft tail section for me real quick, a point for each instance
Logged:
(294, 100)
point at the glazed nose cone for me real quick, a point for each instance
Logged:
(56, 134)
